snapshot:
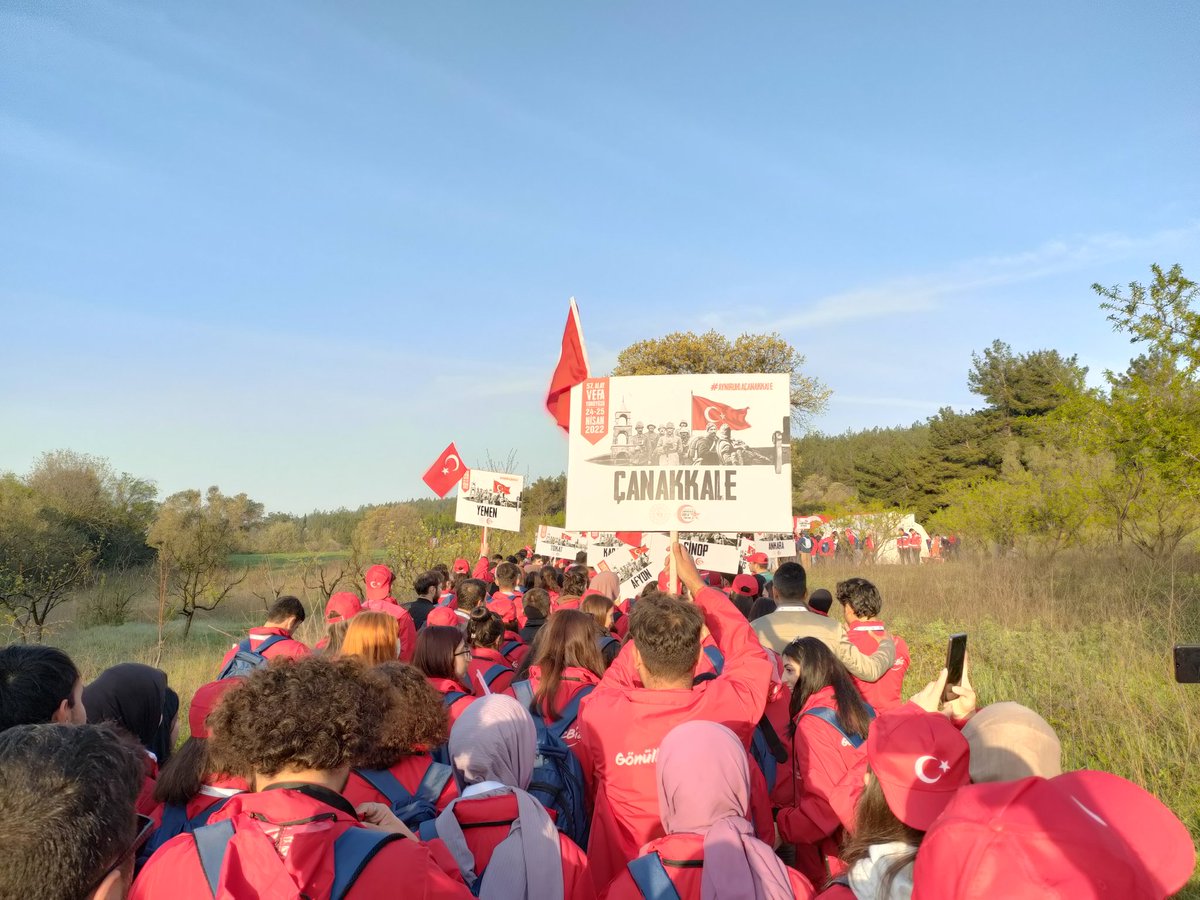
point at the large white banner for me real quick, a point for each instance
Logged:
(662, 452)
(558, 543)
(715, 551)
(490, 498)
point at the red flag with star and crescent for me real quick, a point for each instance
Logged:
(446, 471)
(712, 412)
(571, 370)
(500, 487)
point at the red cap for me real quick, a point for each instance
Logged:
(204, 701)
(461, 566)
(379, 582)
(921, 761)
(1081, 834)
(746, 585)
(342, 606)
(442, 615)
(758, 558)
(712, 579)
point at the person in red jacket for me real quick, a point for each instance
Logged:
(506, 601)
(274, 639)
(341, 608)
(861, 604)
(284, 837)
(829, 724)
(568, 663)
(709, 849)
(403, 752)
(444, 657)
(499, 834)
(380, 599)
(647, 692)
(488, 672)
(915, 763)
(189, 789)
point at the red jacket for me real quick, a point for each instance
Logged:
(202, 800)
(621, 726)
(883, 694)
(482, 659)
(404, 624)
(680, 853)
(291, 648)
(821, 757)
(409, 770)
(483, 570)
(486, 822)
(508, 607)
(448, 685)
(574, 680)
(283, 845)
(517, 654)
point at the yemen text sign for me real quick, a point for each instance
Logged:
(490, 498)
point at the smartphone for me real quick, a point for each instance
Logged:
(1187, 663)
(956, 655)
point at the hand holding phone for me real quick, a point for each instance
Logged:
(956, 657)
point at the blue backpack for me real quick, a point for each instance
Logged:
(351, 854)
(175, 821)
(509, 647)
(411, 809)
(827, 715)
(605, 641)
(441, 753)
(557, 776)
(652, 879)
(246, 660)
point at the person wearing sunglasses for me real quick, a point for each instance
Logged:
(68, 828)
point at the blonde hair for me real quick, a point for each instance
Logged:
(372, 638)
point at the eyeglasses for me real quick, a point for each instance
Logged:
(145, 829)
(466, 653)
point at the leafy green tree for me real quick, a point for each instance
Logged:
(1021, 387)
(194, 534)
(44, 557)
(685, 352)
(1165, 315)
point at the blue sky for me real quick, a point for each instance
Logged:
(293, 248)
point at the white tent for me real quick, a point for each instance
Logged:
(886, 550)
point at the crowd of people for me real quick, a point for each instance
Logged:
(519, 729)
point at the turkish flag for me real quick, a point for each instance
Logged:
(445, 472)
(571, 370)
(633, 538)
(712, 412)
(500, 488)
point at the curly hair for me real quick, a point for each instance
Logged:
(418, 723)
(324, 713)
(666, 632)
(575, 582)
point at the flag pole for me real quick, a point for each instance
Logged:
(674, 583)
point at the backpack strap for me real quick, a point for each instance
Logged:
(651, 878)
(351, 853)
(269, 641)
(774, 744)
(509, 647)
(434, 781)
(427, 830)
(451, 697)
(827, 715)
(387, 784)
(211, 843)
(570, 712)
(495, 672)
(716, 657)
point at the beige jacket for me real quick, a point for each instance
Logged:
(793, 620)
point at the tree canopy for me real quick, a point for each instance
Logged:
(687, 353)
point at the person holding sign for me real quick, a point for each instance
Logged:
(647, 692)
